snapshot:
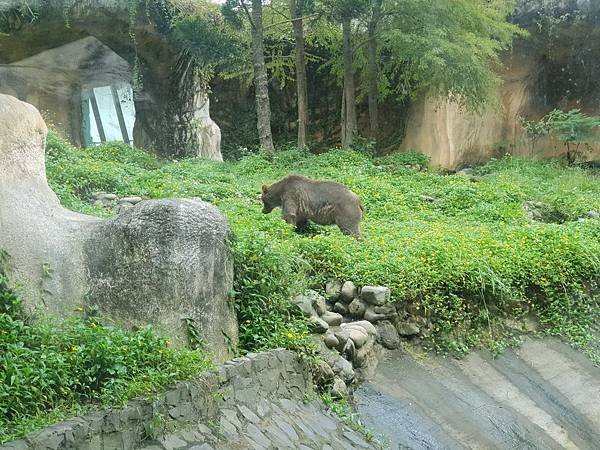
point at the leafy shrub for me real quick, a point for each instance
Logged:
(268, 278)
(49, 369)
(572, 128)
(468, 259)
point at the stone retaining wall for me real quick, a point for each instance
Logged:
(263, 400)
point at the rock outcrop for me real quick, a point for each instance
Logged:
(75, 51)
(355, 326)
(164, 262)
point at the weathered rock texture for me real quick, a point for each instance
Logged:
(82, 44)
(209, 145)
(543, 395)
(159, 262)
(554, 68)
(258, 401)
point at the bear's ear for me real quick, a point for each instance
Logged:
(265, 188)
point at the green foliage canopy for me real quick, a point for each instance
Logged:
(446, 47)
(203, 31)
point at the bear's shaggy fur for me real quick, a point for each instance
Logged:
(323, 202)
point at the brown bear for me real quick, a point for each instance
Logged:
(323, 202)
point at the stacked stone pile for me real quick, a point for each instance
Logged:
(354, 325)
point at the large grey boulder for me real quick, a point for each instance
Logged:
(161, 262)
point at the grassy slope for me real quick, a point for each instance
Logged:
(470, 253)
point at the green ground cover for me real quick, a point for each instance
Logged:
(51, 369)
(470, 259)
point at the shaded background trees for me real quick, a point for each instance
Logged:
(349, 51)
(399, 54)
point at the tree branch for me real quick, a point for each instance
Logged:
(278, 12)
(245, 8)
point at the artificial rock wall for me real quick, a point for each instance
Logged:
(159, 262)
(555, 67)
(70, 47)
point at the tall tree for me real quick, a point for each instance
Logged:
(296, 12)
(373, 67)
(254, 14)
(349, 120)
(446, 47)
(261, 80)
(345, 11)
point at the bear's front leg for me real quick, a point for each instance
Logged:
(288, 212)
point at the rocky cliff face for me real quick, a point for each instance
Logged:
(555, 67)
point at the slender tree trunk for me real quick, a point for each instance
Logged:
(372, 69)
(349, 103)
(301, 88)
(343, 117)
(263, 106)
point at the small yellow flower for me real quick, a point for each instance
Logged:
(168, 342)
(290, 335)
(73, 348)
(78, 309)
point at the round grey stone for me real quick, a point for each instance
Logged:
(332, 319)
(330, 340)
(367, 326)
(373, 317)
(333, 290)
(387, 335)
(339, 388)
(357, 308)
(319, 305)
(108, 197)
(349, 292)
(304, 302)
(324, 371)
(340, 308)
(133, 199)
(375, 295)
(407, 329)
(359, 336)
(319, 325)
(388, 309)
